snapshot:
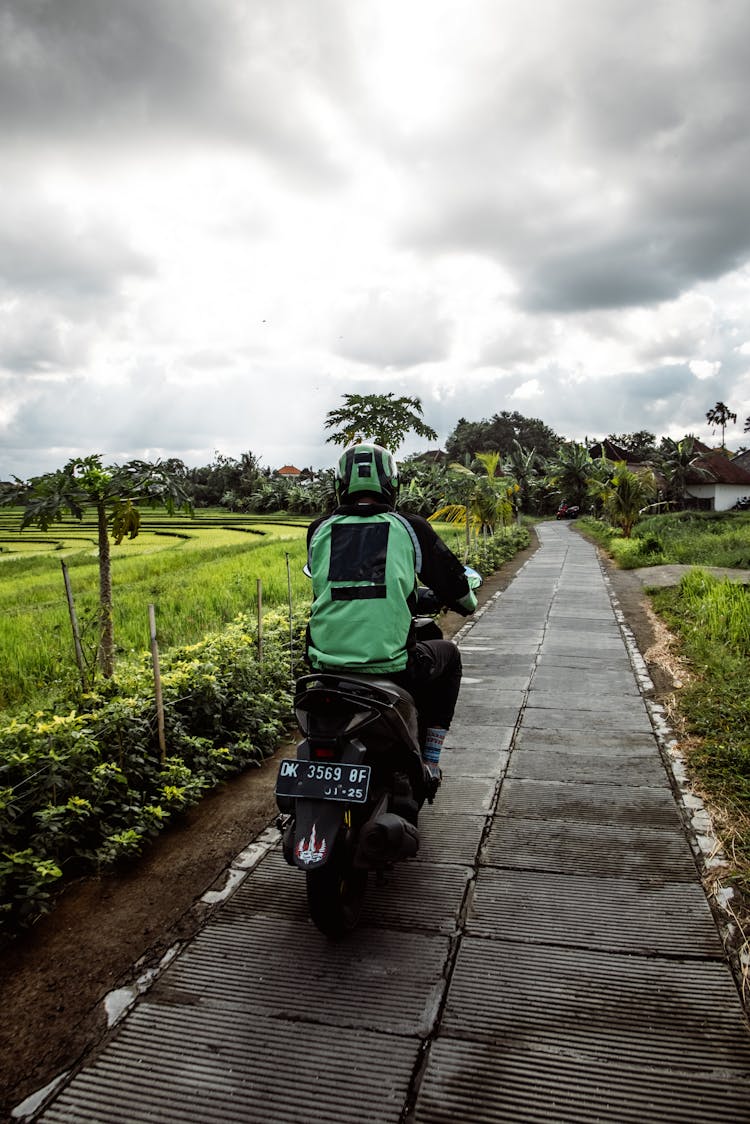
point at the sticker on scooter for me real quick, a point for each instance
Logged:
(310, 851)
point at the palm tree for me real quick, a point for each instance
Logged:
(569, 472)
(486, 500)
(522, 465)
(719, 415)
(627, 493)
(676, 461)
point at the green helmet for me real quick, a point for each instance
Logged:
(366, 471)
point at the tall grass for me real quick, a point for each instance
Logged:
(693, 538)
(719, 609)
(712, 621)
(197, 584)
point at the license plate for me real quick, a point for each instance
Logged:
(315, 780)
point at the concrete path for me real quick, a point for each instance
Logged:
(551, 956)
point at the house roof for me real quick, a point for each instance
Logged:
(610, 450)
(720, 469)
(742, 459)
(433, 456)
(289, 470)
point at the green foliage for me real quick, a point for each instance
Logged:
(484, 502)
(380, 418)
(712, 620)
(720, 415)
(569, 473)
(718, 609)
(82, 790)
(622, 493)
(694, 538)
(487, 553)
(500, 432)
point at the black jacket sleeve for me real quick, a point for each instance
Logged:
(441, 571)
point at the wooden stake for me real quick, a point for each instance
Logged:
(260, 620)
(157, 685)
(291, 621)
(74, 626)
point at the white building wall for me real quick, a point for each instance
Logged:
(723, 496)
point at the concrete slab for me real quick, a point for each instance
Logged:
(449, 837)
(536, 1085)
(608, 914)
(549, 718)
(587, 741)
(603, 1005)
(459, 793)
(177, 1066)
(465, 761)
(468, 736)
(585, 768)
(590, 803)
(243, 963)
(604, 850)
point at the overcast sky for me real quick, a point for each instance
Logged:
(217, 218)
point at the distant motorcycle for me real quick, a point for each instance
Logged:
(353, 794)
(567, 511)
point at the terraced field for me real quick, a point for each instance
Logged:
(199, 573)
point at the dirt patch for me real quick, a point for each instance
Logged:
(104, 932)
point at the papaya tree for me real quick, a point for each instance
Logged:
(115, 494)
(380, 418)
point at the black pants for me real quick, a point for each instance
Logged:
(433, 678)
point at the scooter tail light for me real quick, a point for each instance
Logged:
(321, 753)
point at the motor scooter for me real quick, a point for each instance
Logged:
(351, 798)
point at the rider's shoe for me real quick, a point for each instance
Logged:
(433, 775)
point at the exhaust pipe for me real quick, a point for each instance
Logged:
(387, 839)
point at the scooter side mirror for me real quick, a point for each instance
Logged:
(473, 577)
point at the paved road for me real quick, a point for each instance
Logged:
(551, 956)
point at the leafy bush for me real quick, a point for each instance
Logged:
(83, 790)
(488, 554)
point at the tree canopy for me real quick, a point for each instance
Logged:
(380, 418)
(498, 434)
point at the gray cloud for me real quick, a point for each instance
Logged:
(615, 177)
(151, 72)
(218, 218)
(394, 329)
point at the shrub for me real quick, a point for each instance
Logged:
(85, 789)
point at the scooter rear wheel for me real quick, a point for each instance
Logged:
(335, 894)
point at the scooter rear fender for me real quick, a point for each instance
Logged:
(317, 824)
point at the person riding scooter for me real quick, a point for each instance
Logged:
(365, 561)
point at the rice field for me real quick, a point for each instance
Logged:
(199, 573)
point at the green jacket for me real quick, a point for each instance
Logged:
(364, 561)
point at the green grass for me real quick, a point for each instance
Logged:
(711, 618)
(694, 538)
(198, 573)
